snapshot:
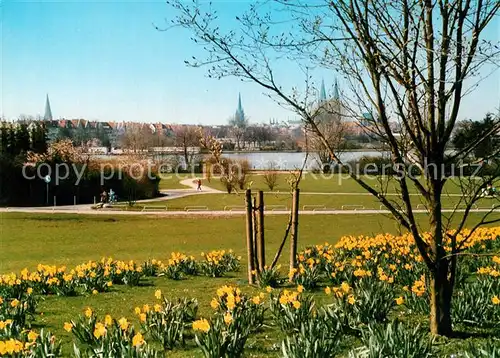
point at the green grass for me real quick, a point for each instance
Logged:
(334, 183)
(220, 201)
(28, 239)
(65, 239)
(172, 181)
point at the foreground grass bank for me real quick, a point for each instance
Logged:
(70, 240)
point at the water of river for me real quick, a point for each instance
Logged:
(277, 160)
(288, 160)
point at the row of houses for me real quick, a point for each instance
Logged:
(113, 130)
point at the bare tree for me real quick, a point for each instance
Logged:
(407, 61)
(136, 137)
(187, 137)
(271, 176)
(328, 121)
(239, 124)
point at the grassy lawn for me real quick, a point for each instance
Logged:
(220, 201)
(64, 239)
(171, 181)
(334, 183)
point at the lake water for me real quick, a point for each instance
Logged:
(288, 160)
(279, 160)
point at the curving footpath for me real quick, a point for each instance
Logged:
(192, 190)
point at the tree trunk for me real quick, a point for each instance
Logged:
(295, 229)
(249, 230)
(186, 157)
(441, 286)
(440, 301)
(261, 246)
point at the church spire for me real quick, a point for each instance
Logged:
(239, 112)
(48, 112)
(336, 93)
(322, 93)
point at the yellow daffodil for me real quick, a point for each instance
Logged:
(68, 326)
(201, 325)
(138, 340)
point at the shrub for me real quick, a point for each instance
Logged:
(271, 176)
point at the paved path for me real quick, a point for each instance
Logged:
(73, 210)
(191, 183)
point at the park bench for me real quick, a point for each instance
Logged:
(195, 208)
(234, 208)
(275, 207)
(353, 207)
(154, 207)
(314, 207)
(461, 206)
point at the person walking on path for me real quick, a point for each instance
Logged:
(199, 185)
(104, 198)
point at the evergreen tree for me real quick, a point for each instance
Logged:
(39, 138)
(22, 139)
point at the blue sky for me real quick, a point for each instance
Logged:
(105, 61)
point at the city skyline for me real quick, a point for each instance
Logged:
(107, 62)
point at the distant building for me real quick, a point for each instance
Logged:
(239, 120)
(48, 111)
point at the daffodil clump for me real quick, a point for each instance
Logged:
(179, 265)
(308, 273)
(18, 312)
(290, 308)
(107, 336)
(166, 321)
(369, 300)
(236, 317)
(230, 300)
(29, 344)
(129, 273)
(152, 267)
(395, 261)
(99, 276)
(217, 263)
(268, 276)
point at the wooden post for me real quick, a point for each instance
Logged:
(256, 263)
(249, 217)
(261, 247)
(295, 229)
